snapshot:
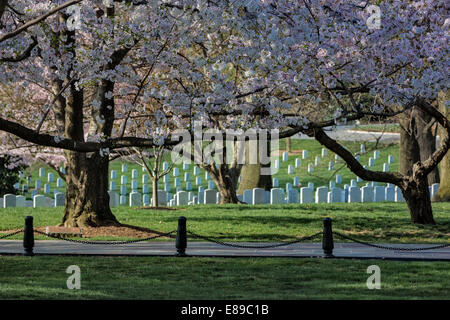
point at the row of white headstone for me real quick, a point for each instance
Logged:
(39, 201)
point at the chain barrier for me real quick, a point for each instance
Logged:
(251, 246)
(390, 248)
(11, 234)
(105, 242)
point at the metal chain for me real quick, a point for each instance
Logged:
(390, 248)
(250, 246)
(11, 234)
(106, 242)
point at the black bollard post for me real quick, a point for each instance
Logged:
(181, 242)
(327, 240)
(28, 237)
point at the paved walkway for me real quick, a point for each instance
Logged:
(206, 249)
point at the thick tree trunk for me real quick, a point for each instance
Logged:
(444, 189)
(87, 198)
(224, 178)
(251, 174)
(409, 148)
(426, 140)
(417, 198)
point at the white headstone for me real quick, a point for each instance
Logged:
(248, 196)
(134, 185)
(434, 189)
(258, 196)
(335, 195)
(60, 199)
(59, 183)
(293, 196)
(399, 195)
(176, 172)
(362, 149)
(330, 166)
(276, 196)
(390, 159)
(113, 199)
(187, 176)
(145, 178)
(47, 188)
(379, 194)
(366, 194)
(20, 201)
(317, 161)
(135, 199)
(275, 182)
(196, 171)
(385, 167)
(290, 169)
(390, 194)
(50, 177)
(305, 154)
(310, 168)
(298, 162)
(211, 184)
(123, 190)
(338, 179)
(9, 201)
(354, 194)
(296, 182)
(145, 189)
(123, 180)
(306, 195)
(371, 162)
(146, 200)
(210, 196)
(285, 156)
(39, 201)
(376, 154)
(123, 200)
(41, 172)
(277, 164)
(321, 195)
(165, 166)
(124, 167)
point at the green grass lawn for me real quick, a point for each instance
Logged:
(382, 127)
(379, 222)
(219, 278)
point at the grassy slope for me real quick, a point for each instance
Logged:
(214, 278)
(320, 176)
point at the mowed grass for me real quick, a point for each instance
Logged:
(43, 277)
(376, 222)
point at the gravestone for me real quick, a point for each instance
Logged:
(211, 184)
(332, 185)
(276, 196)
(336, 157)
(39, 201)
(49, 202)
(113, 174)
(330, 166)
(165, 166)
(285, 156)
(187, 176)
(385, 167)
(134, 185)
(306, 195)
(366, 194)
(317, 161)
(277, 164)
(248, 196)
(335, 195)
(176, 182)
(376, 154)
(113, 199)
(358, 158)
(112, 186)
(198, 181)
(288, 187)
(60, 199)
(9, 200)
(59, 183)
(266, 196)
(390, 194)
(123, 190)
(321, 195)
(258, 196)
(207, 176)
(296, 182)
(298, 163)
(305, 154)
(434, 189)
(201, 196)
(290, 169)
(362, 149)
(338, 179)
(123, 200)
(188, 186)
(311, 185)
(185, 166)
(176, 172)
(47, 188)
(371, 162)
(123, 180)
(135, 199)
(38, 184)
(293, 196)
(324, 152)
(146, 200)
(145, 189)
(275, 182)
(196, 171)
(390, 159)
(41, 172)
(354, 194)
(166, 178)
(210, 196)
(20, 202)
(145, 179)
(50, 177)
(345, 194)
(217, 197)
(162, 198)
(379, 194)
(167, 187)
(310, 168)
(124, 167)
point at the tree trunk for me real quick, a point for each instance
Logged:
(444, 189)
(251, 174)
(223, 177)
(409, 148)
(417, 198)
(426, 140)
(87, 198)
(155, 192)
